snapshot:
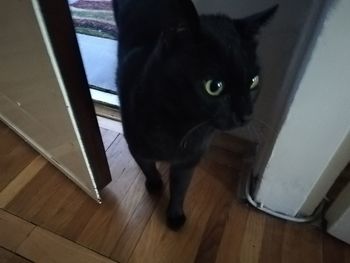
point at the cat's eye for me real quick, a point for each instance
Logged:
(255, 82)
(214, 87)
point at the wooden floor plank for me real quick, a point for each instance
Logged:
(224, 157)
(302, 243)
(158, 244)
(132, 232)
(113, 215)
(231, 242)
(7, 256)
(13, 231)
(44, 246)
(233, 144)
(33, 197)
(40, 245)
(76, 216)
(110, 124)
(56, 204)
(271, 250)
(108, 137)
(52, 201)
(105, 226)
(137, 222)
(214, 230)
(3, 127)
(130, 224)
(334, 251)
(21, 180)
(253, 237)
(15, 155)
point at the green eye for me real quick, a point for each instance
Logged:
(255, 82)
(213, 87)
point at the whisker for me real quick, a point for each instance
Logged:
(183, 140)
(266, 125)
(258, 134)
(251, 130)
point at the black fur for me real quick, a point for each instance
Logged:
(166, 53)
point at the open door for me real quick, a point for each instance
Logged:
(44, 95)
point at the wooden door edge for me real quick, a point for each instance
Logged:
(59, 25)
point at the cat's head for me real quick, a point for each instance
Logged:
(205, 69)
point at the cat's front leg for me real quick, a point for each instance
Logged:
(154, 182)
(180, 178)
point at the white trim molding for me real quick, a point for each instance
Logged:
(312, 146)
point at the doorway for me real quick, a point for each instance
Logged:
(97, 36)
(129, 225)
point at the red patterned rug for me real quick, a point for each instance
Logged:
(94, 17)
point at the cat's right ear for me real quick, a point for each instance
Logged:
(250, 26)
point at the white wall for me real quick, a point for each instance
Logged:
(317, 124)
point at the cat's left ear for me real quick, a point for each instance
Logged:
(250, 26)
(182, 24)
(187, 16)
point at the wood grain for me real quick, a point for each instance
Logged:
(233, 144)
(334, 251)
(7, 256)
(231, 241)
(133, 230)
(130, 224)
(106, 225)
(302, 243)
(33, 197)
(3, 128)
(21, 180)
(15, 155)
(53, 210)
(224, 157)
(109, 124)
(271, 249)
(71, 224)
(138, 221)
(108, 137)
(253, 236)
(158, 244)
(44, 246)
(120, 199)
(211, 238)
(13, 231)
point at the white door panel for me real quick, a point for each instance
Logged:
(33, 96)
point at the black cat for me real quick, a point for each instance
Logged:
(180, 77)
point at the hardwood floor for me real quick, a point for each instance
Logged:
(7, 256)
(46, 218)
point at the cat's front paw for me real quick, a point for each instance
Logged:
(154, 186)
(175, 222)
